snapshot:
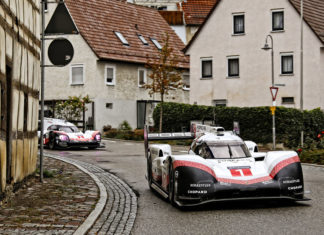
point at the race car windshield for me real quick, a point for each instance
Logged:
(69, 129)
(229, 151)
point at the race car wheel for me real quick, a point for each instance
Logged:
(51, 143)
(171, 184)
(149, 171)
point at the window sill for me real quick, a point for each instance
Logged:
(234, 77)
(110, 84)
(278, 31)
(238, 34)
(287, 75)
(141, 86)
(77, 84)
(185, 89)
(206, 78)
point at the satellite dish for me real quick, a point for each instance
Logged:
(60, 52)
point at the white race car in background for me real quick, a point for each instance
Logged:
(62, 134)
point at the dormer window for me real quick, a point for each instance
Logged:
(156, 43)
(143, 39)
(121, 38)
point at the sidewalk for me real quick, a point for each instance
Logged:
(70, 202)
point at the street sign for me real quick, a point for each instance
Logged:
(273, 109)
(274, 92)
(60, 52)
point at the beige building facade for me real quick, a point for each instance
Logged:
(228, 66)
(19, 82)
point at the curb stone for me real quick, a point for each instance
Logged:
(118, 212)
(87, 224)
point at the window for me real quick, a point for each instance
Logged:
(186, 81)
(141, 77)
(233, 67)
(109, 105)
(121, 38)
(238, 24)
(45, 6)
(287, 64)
(77, 75)
(206, 68)
(156, 43)
(110, 75)
(221, 102)
(143, 39)
(277, 20)
(287, 100)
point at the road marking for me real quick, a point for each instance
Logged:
(111, 141)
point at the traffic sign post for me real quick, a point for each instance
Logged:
(274, 92)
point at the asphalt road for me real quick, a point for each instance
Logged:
(157, 216)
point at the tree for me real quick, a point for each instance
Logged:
(72, 108)
(164, 74)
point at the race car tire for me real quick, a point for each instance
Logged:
(51, 143)
(149, 171)
(171, 184)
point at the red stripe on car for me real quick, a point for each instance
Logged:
(207, 169)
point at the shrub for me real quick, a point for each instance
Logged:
(124, 126)
(112, 133)
(106, 128)
(255, 122)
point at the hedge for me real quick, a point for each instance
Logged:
(255, 122)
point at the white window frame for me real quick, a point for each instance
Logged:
(185, 88)
(143, 40)
(156, 43)
(219, 102)
(239, 70)
(283, 19)
(138, 76)
(293, 68)
(201, 67)
(233, 16)
(113, 83)
(83, 74)
(121, 37)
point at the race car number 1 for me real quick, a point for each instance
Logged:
(241, 172)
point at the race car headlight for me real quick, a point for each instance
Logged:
(64, 138)
(98, 137)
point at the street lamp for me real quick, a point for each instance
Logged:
(267, 47)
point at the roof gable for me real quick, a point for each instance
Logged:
(313, 16)
(98, 20)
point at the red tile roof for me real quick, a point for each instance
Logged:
(195, 11)
(313, 15)
(98, 19)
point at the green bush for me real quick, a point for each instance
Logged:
(313, 156)
(255, 122)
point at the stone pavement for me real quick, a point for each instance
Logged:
(76, 198)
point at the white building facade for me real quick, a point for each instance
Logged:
(228, 66)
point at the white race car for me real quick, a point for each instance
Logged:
(220, 167)
(62, 134)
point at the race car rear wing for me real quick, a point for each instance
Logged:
(165, 136)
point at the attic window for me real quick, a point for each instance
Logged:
(121, 38)
(143, 39)
(156, 43)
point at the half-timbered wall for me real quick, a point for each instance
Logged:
(19, 84)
